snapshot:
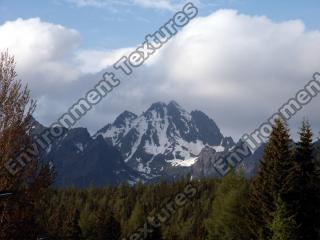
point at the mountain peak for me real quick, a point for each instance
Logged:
(123, 118)
(156, 110)
(157, 105)
(174, 103)
(163, 137)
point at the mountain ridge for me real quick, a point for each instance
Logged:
(163, 142)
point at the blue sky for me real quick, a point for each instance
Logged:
(238, 61)
(121, 25)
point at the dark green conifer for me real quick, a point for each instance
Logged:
(155, 234)
(227, 218)
(304, 200)
(273, 180)
(72, 230)
(107, 227)
(283, 226)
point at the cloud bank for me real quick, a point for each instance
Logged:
(237, 68)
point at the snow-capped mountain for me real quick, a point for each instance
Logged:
(165, 141)
(164, 138)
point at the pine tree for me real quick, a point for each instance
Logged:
(137, 218)
(107, 227)
(72, 230)
(55, 222)
(155, 235)
(305, 197)
(283, 226)
(227, 220)
(88, 223)
(273, 180)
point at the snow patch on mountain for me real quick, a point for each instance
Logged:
(183, 163)
(166, 134)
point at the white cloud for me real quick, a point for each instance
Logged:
(237, 68)
(93, 3)
(170, 5)
(159, 4)
(50, 62)
(40, 47)
(93, 61)
(84, 3)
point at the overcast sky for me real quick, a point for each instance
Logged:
(238, 61)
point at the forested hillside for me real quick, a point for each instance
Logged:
(280, 202)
